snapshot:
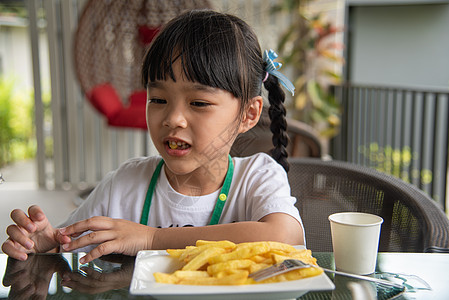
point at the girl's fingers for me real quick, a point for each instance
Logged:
(61, 238)
(22, 220)
(10, 248)
(100, 250)
(36, 214)
(94, 224)
(96, 237)
(17, 235)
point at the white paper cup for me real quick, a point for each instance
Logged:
(355, 240)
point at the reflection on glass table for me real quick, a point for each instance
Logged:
(424, 276)
(61, 276)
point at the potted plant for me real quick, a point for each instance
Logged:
(307, 47)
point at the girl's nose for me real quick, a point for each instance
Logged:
(175, 118)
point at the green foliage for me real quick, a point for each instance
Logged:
(397, 162)
(16, 9)
(306, 47)
(6, 132)
(16, 123)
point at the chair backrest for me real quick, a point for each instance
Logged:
(304, 140)
(412, 220)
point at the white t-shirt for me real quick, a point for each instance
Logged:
(259, 187)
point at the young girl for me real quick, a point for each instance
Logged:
(204, 73)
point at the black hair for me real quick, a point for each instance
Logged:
(222, 51)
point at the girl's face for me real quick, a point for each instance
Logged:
(191, 125)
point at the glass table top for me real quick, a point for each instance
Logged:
(61, 276)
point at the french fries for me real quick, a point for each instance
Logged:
(226, 263)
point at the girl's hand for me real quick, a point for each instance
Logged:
(112, 235)
(32, 233)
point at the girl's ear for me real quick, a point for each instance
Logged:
(252, 114)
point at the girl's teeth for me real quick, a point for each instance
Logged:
(175, 145)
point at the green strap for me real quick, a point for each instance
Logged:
(222, 197)
(149, 196)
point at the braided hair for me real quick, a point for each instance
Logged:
(278, 126)
(222, 51)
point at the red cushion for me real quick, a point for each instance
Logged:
(133, 116)
(138, 98)
(147, 33)
(105, 99)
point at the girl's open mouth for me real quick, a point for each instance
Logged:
(177, 145)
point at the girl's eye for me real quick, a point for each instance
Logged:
(157, 101)
(200, 103)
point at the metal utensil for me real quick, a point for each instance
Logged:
(294, 264)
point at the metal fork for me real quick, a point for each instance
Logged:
(294, 264)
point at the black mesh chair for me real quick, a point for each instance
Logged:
(304, 139)
(412, 220)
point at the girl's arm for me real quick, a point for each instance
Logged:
(278, 227)
(127, 237)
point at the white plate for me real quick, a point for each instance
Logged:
(148, 262)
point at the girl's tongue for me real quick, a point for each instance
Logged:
(178, 145)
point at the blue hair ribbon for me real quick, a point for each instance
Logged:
(273, 67)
